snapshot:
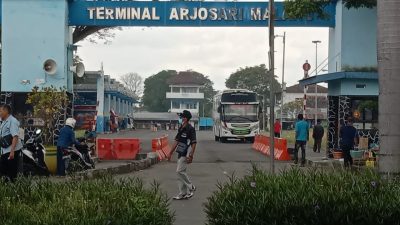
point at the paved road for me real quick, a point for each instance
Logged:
(213, 162)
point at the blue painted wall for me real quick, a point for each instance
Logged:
(348, 87)
(353, 39)
(334, 88)
(32, 32)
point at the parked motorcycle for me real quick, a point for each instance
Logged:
(34, 153)
(78, 158)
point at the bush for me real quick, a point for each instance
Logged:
(298, 197)
(103, 201)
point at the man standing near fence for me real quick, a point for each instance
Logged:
(302, 128)
(185, 138)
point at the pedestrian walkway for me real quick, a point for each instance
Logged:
(214, 163)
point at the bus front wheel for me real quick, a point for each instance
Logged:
(222, 139)
(216, 138)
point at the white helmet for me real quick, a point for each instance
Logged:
(70, 122)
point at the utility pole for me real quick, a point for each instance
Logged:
(263, 110)
(271, 73)
(283, 75)
(316, 85)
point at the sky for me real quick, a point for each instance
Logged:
(214, 52)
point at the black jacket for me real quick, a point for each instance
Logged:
(318, 132)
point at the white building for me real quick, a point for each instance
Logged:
(296, 93)
(185, 92)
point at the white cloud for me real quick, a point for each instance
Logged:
(216, 52)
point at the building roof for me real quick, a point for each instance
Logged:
(339, 75)
(89, 83)
(187, 77)
(311, 89)
(159, 116)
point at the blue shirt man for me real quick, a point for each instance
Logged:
(66, 138)
(301, 139)
(302, 128)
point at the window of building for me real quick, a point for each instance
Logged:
(189, 90)
(361, 85)
(190, 105)
(176, 89)
(176, 105)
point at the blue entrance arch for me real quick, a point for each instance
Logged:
(186, 14)
(35, 31)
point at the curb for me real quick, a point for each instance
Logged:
(143, 161)
(324, 163)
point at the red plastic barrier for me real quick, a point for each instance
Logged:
(105, 149)
(261, 143)
(257, 143)
(166, 148)
(156, 144)
(126, 148)
(162, 147)
(122, 148)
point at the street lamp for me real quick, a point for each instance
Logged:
(283, 74)
(316, 42)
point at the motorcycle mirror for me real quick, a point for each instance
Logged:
(38, 131)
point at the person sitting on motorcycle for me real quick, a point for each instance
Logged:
(65, 140)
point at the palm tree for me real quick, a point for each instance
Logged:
(389, 85)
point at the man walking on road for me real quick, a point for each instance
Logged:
(185, 138)
(349, 138)
(301, 139)
(318, 134)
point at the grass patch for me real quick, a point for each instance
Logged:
(290, 136)
(311, 197)
(100, 201)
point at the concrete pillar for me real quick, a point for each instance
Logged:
(117, 103)
(114, 103)
(107, 104)
(107, 107)
(100, 101)
(125, 107)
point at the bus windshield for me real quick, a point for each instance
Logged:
(240, 113)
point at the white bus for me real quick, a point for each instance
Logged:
(235, 114)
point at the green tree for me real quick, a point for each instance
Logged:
(209, 93)
(255, 78)
(292, 109)
(47, 102)
(155, 89)
(297, 9)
